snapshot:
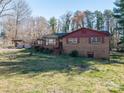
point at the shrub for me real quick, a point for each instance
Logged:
(121, 49)
(74, 53)
(47, 51)
(50, 51)
(36, 48)
(41, 49)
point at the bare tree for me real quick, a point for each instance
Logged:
(5, 7)
(8, 27)
(78, 19)
(40, 27)
(21, 11)
(34, 28)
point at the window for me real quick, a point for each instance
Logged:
(39, 42)
(72, 40)
(95, 40)
(50, 41)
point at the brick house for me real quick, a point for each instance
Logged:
(87, 42)
(21, 44)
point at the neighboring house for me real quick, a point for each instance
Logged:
(21, 44)
(87, 42)
(18, 43)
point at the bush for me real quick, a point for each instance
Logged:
(36, 48)
(41, 49)
(121, 49)
(74, 53)
(50, 51)
(47, 51)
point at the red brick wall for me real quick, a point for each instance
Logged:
(100, 50)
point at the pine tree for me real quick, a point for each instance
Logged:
(89, 19)
(108, 17)
(99, 20)
(119, 15)
(53, 24)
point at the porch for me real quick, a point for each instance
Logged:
(52, 42)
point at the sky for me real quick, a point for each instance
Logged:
(50, 8)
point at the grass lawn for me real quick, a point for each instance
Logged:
(42, 73)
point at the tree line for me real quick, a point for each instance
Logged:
(17, 22)
(95, 20)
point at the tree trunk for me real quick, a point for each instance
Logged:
(16, 30)
(108, 26)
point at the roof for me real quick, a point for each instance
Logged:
(61, 34)
(55, 35)
(84, 30)
(17, 40)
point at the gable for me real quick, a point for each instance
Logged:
(84, 32)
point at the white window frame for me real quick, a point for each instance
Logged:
(39, 42)
(72, 40)
(50, 42)
(96, 40)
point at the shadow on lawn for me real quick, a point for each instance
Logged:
(40, 63)
(44, 63)
(114, 59)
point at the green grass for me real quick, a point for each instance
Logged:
(42, 73)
